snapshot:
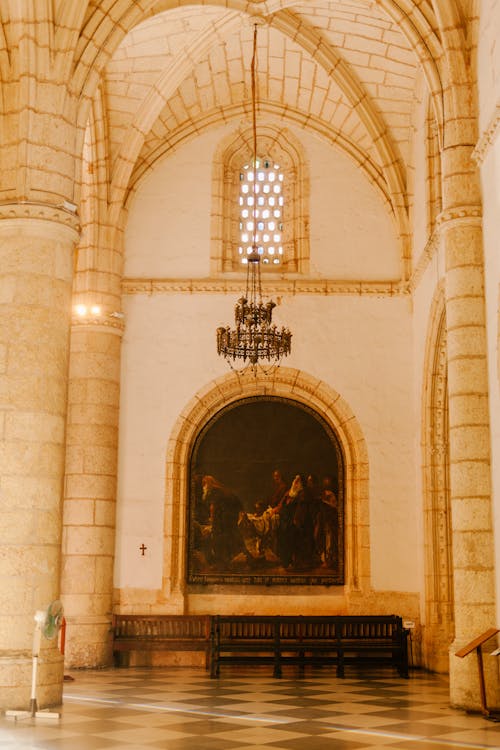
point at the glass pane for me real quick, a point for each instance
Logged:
(261, 210)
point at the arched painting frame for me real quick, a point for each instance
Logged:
(239, 533)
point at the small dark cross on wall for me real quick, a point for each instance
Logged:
(143, 549)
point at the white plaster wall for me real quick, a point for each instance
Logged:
(352, 235)
(168, 232)
(360, 346)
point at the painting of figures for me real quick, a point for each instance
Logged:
(266, 497)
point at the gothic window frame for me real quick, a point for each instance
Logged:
(280, 146)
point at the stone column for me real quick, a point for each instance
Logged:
(469, 434)
(36, 247)
(90, 488)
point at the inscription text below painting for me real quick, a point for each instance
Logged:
(266, 498)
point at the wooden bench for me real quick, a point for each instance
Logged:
(161, 633)
(337, 640)
(308, 640)
(244, 639)
(373, 640)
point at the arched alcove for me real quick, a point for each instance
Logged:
(295, 386)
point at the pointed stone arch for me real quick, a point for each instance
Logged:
(438, 631)
(292, 384)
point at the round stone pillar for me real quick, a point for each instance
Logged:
(469, 443)
(36, 248)
(90, 488)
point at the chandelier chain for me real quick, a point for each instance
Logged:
(255, 338)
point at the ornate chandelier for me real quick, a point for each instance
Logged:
(254, 338)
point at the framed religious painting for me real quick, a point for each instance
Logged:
(266, 497)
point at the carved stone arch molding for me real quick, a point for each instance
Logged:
(438, 630)
(286, 383)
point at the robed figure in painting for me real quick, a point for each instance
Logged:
(223, 542)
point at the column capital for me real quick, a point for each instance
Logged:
(47, 217)
(460, 215)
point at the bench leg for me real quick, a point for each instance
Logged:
(214, 667)
(340, 664)
(119, 660)
(277, 663)
(403, 670)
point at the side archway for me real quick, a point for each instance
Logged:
(286, 383)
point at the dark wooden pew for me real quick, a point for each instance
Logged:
(303, 639)
(373, 640)
(245, 639)
(161, 633)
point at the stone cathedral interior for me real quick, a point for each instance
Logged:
(126, 139)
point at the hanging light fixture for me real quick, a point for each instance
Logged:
(254, 338)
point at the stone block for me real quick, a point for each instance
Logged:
(468, 375)
(473, 549)
(99, 391)
(85, 486)
(99, 459)
(89, 540)
(473, 587)
(15, 681)
(468, 409)
(464, 311)
(471, 514)
(79, 512)
(17, 526)
(105, 512)
(93, 414)
(3, 357)
(29, 492)
(96, 435)
(78, 574)
(470, 479)
(34, 427)
(466, 341)
(470, 443)
(465, 282)
(104, 575)
(47, 526)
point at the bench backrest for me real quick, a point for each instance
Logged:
(304, 628)
(246, 627)
(161, 626)
(384, 627)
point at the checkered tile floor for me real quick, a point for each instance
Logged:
(182, 709)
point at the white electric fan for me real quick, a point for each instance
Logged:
(47, 624)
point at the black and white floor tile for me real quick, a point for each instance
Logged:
(246, 709)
